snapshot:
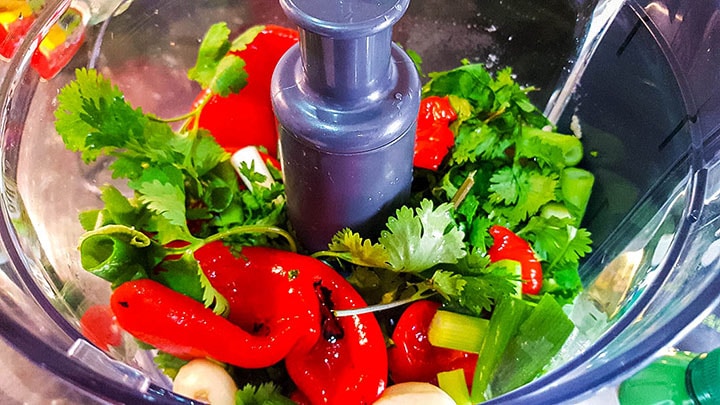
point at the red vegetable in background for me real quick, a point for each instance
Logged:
(507, 245)
(413, 358)
(434, 137)
(99, 326)
(246, 118)
(13, 32)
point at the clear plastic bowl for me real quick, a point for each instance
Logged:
(638, 77)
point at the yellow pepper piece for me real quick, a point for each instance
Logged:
(12, 10)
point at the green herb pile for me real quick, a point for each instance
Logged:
(506, 168)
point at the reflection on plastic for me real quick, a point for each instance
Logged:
(96, 359)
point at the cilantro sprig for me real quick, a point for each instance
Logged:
(182, 189)
(506, 167)
(521, 172)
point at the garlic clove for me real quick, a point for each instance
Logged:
(206, 381)
(416, 393)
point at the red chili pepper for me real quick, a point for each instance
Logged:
(99, 326)
(434, 138)
(280, 308)
(185, 328)
(507, 245)
(413, 358)
(246, 118)
(348, 363)
(269, 292)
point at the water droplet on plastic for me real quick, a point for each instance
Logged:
(398, 96)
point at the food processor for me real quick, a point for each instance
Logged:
(638, 79)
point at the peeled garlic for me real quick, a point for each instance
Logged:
(415, 393)
(206, 381)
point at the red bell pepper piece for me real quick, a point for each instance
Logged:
(246, 118)
(507, 245)
(413, 358)
(348, 363)
(434, 138)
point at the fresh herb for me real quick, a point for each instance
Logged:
(506, 168)
(169, 364)
(183, 189)
(263, 394)
(519, 168)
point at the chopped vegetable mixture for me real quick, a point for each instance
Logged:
(472, 271)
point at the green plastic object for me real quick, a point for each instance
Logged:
(682, 378)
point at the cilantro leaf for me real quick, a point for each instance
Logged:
(263, 394)
(165, 199)
(377, 285)
(352, 247)
(217, 68)
(477, 290)
(91, 106)
(557, 240)
(518, 193)
(416, 241)
(169, 364)
(448, 284)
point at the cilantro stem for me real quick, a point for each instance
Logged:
(382, 307)
(494, 114)
(243, 229)
(187, 115)
(238, 230)
(464, 189)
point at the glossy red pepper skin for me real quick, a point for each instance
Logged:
(350, 369)
(507, 245)
(185, 328)
(413, 358)
(347, 369)
(434, 138)
(269, 292)
(280, 307)
(246, 118)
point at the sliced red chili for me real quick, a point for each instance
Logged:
(507, 245)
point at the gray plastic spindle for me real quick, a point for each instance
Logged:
(347, 100)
